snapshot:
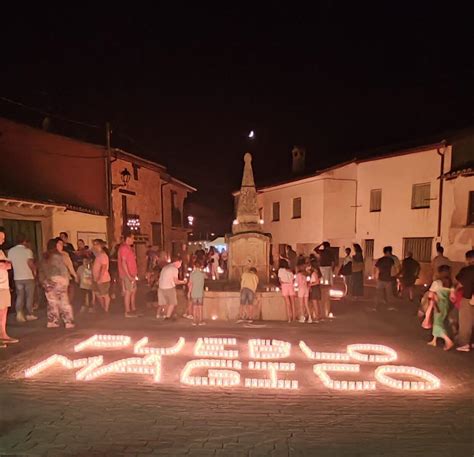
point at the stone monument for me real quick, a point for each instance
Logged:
(248, 245)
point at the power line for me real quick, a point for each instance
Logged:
(46, 113)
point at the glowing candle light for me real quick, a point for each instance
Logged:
(215, 376)
(321, 370)
(273, 382)
(139, 347)
(103, 341)
(383, 374)
(268, 349)
(385, 355)
(339, 356)
(215, 347)
(64, 361)
(150, 365)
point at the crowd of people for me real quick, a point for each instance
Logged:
(92, 276)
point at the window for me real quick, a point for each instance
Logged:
(135, 171)
(375, 200)
(282, 249)
(276, 211)
(368, 249)
(156, 234)
(421, 248)
(297, 208)
(176, 218)
(470, 214)
(420, 197)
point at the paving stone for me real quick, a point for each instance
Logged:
(128, 415)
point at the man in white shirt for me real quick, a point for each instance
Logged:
(5, 298)
(169, 279)
(24, 272)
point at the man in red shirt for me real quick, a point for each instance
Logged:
(128, 271)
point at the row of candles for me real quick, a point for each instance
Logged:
(215, 347)
(139, 347)
(383, 375)
(221, 373)
(104, 341)
(225, 377)
(268, 349)
(321, 370)
(354, 351)
(92, 367)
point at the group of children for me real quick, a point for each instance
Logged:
(308, 290)
(94, 279)
(305, 285)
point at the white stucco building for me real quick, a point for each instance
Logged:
(396, 199)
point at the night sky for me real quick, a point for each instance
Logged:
(188, 84)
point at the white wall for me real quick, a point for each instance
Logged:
(327, 209)
(73, 222)
(288, 230)
(397, 220)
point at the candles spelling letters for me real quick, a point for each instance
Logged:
(216, 364)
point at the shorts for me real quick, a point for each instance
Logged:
(197, 301)
(167, 297)
(303, 293)
(129, 285)
(5, 298)
(246, 296)
(326, 273)
(101, 288)
(287, 290)
(315, 292)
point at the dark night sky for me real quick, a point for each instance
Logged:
(189, 83)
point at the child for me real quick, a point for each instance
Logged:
(84, 274)
(248, 288)
(196, 293)
(286, 277)
(439, 297)
(315, 291)
(303, 294)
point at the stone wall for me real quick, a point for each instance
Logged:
(270, 306)
(144, 197)
(249, 250)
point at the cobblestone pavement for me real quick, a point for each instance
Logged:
(129, 415)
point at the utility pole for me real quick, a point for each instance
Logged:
(108, 176)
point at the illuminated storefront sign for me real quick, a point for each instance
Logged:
(216, 364)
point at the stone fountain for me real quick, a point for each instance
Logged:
(248, 245)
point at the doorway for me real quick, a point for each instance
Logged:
(32, 230)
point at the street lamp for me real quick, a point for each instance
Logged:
(125, 177)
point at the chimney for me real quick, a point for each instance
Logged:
(298, 154)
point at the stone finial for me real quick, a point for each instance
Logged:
(247, 177)
(247, 209)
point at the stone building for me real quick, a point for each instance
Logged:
(150, 204)
(51, 183)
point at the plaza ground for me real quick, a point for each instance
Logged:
(129, 415)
